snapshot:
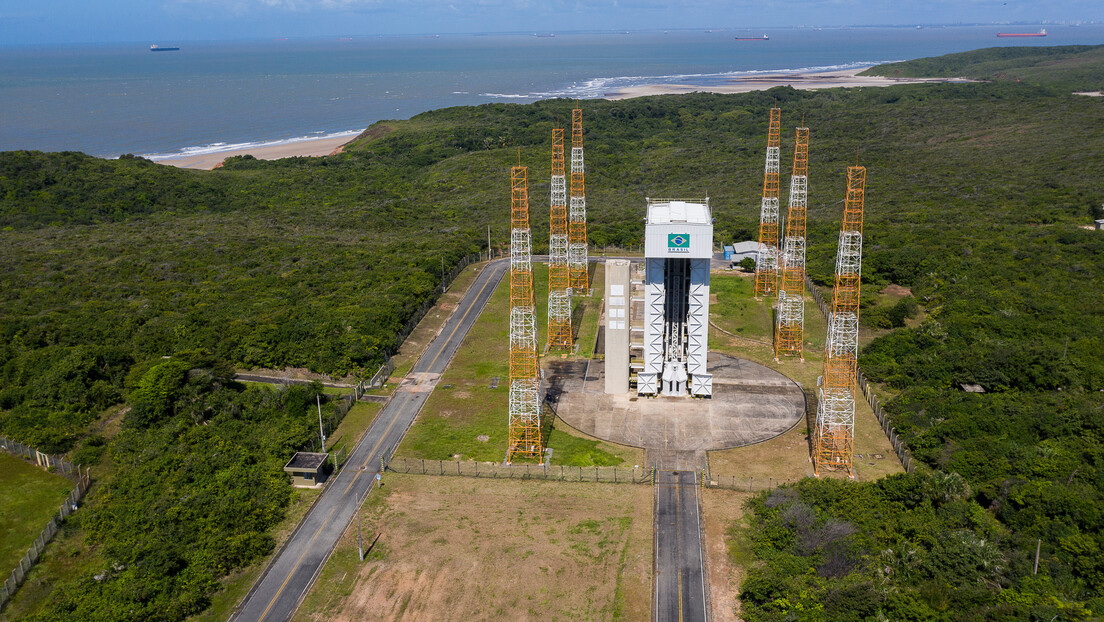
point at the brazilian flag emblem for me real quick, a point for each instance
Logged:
(678, 241)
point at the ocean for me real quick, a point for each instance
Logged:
(107, 100)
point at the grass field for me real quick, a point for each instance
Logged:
(352, 426)
(464, 549)
(465, 419)
(29, 496)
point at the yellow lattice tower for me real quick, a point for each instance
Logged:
(577, 229)
(834, 437)
(766, 264)
(524, 425)
(559, 273)
(790, 329)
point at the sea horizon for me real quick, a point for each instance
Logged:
(114, 98)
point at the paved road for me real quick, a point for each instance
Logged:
(679, 582)
(276, 595)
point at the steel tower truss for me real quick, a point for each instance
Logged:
(766, 264)
(524, 427)
(833, 445)
(789, 333)
(577, 229)
(559, 274)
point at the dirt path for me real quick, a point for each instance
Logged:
(721, 508)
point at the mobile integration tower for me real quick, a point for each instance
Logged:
(678, 246)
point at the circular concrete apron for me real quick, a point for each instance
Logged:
(750, 404)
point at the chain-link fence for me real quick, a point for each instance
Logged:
(899, 446)
(78, 474)
(384, 372)
(493, 470)
(744, 484)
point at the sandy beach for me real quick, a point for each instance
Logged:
(825, 80)
(318, 147)
(809, 81)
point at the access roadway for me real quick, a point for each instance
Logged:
(679, 589)
(289, 575)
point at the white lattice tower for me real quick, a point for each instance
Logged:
(833, 446)
(577, 228)
(766, 262)
(524, 407)
(559, 274)
(790, 329)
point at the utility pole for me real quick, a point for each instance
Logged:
(360, 542)
(489, 243)
(321, 431)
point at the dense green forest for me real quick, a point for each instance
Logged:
(976, 200)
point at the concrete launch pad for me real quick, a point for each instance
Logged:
(750, 404)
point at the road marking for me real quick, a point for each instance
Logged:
(296, 566)
(678, 544)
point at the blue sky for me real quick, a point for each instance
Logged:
(79, 21)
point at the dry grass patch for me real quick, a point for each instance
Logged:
(722, 520)
(465, 549)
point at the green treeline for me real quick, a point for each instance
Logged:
(977, 194)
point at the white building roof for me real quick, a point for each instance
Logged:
(666, 211)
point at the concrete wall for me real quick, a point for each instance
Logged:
(618, 299)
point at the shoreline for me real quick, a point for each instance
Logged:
(845, 78)
(811, 81)
(313, 147)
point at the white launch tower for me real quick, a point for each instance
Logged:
(678, 246)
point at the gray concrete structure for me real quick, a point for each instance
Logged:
(751, 403)
(618, 300)
(307, 469)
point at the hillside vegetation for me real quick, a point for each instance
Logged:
(976, 201)
(1070, 66)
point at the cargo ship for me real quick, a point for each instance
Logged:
(158, 48)
(763, 38)
(1041, 33)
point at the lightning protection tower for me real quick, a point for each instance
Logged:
(577, 229)
(789, 333)
(833, 444)
(766, 264)
(559, 274)
(524, 431)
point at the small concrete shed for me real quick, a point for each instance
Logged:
(307, 469)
